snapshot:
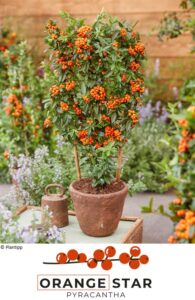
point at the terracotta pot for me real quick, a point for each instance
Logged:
(57, 204)
(98, 214)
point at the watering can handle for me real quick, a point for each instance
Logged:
(56, 186)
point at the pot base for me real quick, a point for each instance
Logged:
(98, 214)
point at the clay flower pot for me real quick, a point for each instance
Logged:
(98, 214)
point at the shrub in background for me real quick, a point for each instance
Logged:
(22, 113)
(7, 41)
(183, 176)
(147, 151)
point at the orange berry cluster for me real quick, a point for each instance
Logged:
(82, 134)
(14, 106)
(134, 66)
(115, 44)
(6, 154)
(98, 93)
(177, 201)
(124, 78)
(139, 48)
(114, 101)
(98, 145)
(70, 85)
(51, 27)
(111, 132)
(83, 31)
(132, 114)
(86, 99)
(123, 32)
(65, 64)
(105, 118)
(87, 141)
(64, 106)
(136, 87)
(89, 121)
(81, 41)
(184, 141)
(131, 51)
(77, 110)
(182, 229)
(183, 122)
(104, 257)
(47, 123)
(54, 90)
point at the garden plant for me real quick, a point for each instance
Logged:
(98, 84)
(94, 103)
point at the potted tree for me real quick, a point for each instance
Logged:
(97, 89)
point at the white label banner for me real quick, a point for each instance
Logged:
(32, 272)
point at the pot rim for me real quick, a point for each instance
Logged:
(71, 188)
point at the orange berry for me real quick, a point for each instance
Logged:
(6, 154)
(115, 44)
(144, 259)
(64, 106)
(123, 32)
(135, 251)
(72, 254)
(124, 258)
(98, 254)
(61, 258)
(47, 123)
(177, 201)
(181, 213)
(82, 257)
(134, 264)
(171, 239)
(110, 251)
(106, 264)
(92, 263)
(183, 122)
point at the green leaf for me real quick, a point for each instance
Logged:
(83, 88)
(149, 208)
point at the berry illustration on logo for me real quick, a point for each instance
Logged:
(105, 258)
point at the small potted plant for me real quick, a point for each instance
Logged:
(97, 89)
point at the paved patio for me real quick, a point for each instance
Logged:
(156, 228)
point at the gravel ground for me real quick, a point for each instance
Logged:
(156, 228)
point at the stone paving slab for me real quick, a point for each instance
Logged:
(156, 228)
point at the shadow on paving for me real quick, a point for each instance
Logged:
(156, 228)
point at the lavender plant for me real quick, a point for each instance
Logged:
(33, 174)
(12, 232)
(156, 112)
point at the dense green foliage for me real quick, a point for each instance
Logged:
(145, 153)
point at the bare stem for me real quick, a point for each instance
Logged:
(119, 163)
(76, 157)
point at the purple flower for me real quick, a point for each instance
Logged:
(40, 72)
